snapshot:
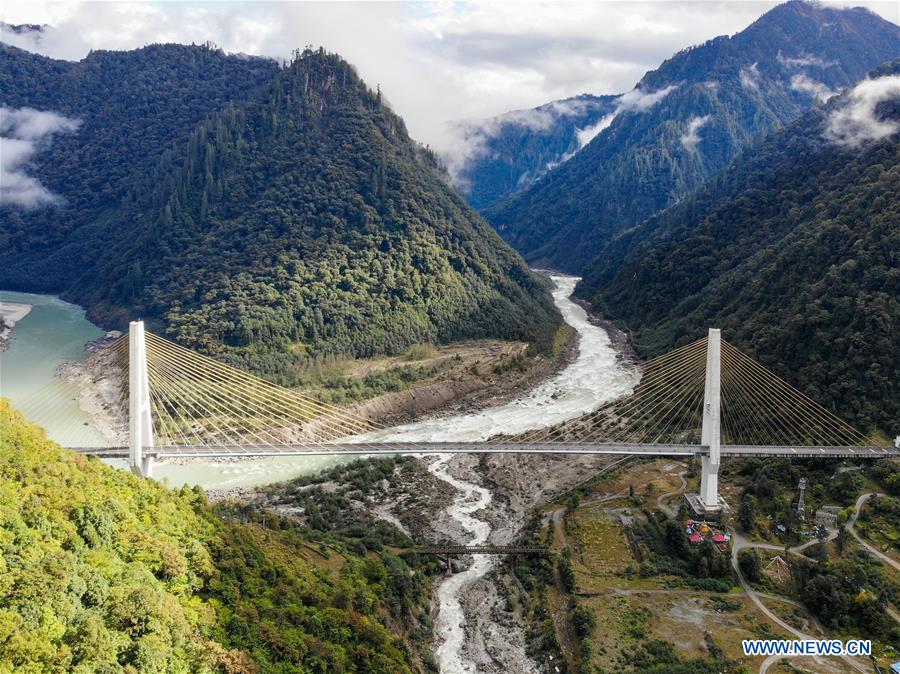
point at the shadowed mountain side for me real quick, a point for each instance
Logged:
(686, 120)
(792, 250)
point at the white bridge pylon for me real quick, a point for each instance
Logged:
(140, 420)
(711, 433)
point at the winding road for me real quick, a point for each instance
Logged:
(740, 543)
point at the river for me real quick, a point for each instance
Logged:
(596, 375)
(52, 333)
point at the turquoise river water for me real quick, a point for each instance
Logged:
(55, 332)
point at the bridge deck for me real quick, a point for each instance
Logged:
(209, 452)
(480, 550)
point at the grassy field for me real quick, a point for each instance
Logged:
(632, 610)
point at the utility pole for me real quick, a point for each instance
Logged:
(140, 423)
(711, 435)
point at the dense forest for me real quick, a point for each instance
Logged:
(793, 252)
(103, 572)
(296, 223)
(686, 120)
(132, 107)
(508, 153)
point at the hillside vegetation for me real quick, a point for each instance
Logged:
(793, 252)
(104, 572)
(296, 223)
(686, 120)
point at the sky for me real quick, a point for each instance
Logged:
(435, 62)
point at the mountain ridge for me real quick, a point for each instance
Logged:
(723, 95)
(792, 250)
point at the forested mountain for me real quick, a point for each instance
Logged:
(296, 220)
(132, 106)
(101, 571)
(794, 251)
(686, 120)
(498, 156)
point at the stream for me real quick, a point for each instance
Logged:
(595, 376)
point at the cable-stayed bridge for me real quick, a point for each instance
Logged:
(704, 399)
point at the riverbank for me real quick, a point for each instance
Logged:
(10, 314)
(464, 377)
(102, 394)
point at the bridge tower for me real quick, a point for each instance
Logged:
(711, 435)
(140, 425)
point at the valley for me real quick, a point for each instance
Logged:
(484, 338)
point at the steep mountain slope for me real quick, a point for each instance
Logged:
(508, 153)
(794, 251)
(130, 107)
(300, 222)
(686, 120)
(104, 572)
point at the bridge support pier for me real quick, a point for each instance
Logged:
(711, 435)
(140, 426)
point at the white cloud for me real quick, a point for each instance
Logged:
(692, 137)
(808, 85)
(635, 100)
(750, 77)
(638, 100)
(856, 122)
(803, 60)
(22, 133)
(587, 134)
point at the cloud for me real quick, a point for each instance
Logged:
(807, 85)
(588, 133)
(635, 100)
(23, 131)
(803, 60)
(638, 100)
(750, 77)
(857, 122)
(692, 137)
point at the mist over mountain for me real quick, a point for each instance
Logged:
(794, 251)
(686, 121)
(284, 216)
(501, 155)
